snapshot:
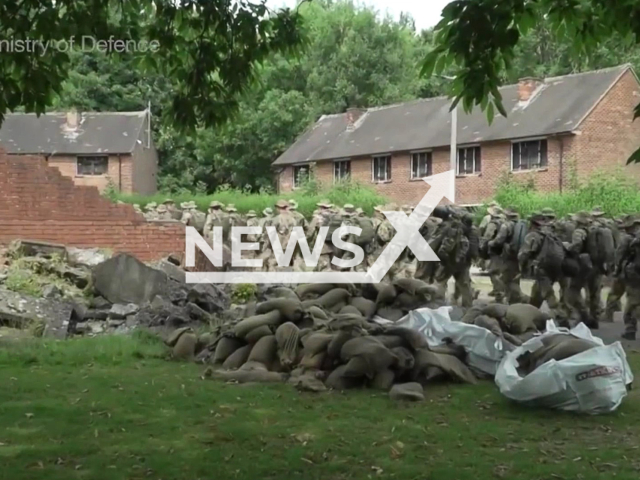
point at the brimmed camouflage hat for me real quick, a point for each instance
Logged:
(188, 205)
(511, 213)
(293, 205)
(251, 213)
(167, 200)
(324, 204)
(359, 211)
(150, 206)
(538, 218)
(581, 217)
(548, 212)
(231, 208)
(349, 208)
(267, 211)
(494, 211)
(216, 204)
(282, 204)
(378, 208)
(494, 204)
(161, 208)
(597, 212)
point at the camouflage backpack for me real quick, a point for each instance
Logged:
(551, 255)
(520, 230)
(601, 247)
(368, 234)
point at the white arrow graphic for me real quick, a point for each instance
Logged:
(408, 227)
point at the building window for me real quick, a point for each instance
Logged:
(421, 165)
(341, 170)
(529, 155)
(92, 165)
(300, 175)
(469, 161)
(381, 169)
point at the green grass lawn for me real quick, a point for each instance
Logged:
(112, 408)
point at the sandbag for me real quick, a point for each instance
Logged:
(250, 376)
(413, 339)
(407, 302)
(264, 351)
(391, 341)
(317, 313)
(257, 333)
(471, 314)
(243, 327)
(226, 346)
(337, 342)
(406, 360)
(495, 310)
(291, 310)
(383, 380)
(175, 335)
(252, 365)
(313, 362)
(185, 347)
(449, 364)
(314, 289)
(366, 307)
(412, 392)
(337, 381)
(330, 299)
(283, 292)
(390, 313)
(412, 286)
(490, 324)
(523, 317)
(386, 294)
(237, 358)
(315, 343)
(350, 309)
(288, 339)
(376, 357)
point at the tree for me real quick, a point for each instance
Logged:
(206, 49)
(480, 38)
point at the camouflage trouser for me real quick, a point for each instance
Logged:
(576, 302)
(594, 295)
(495, 274)
(509, 276)
(632, 309)
(542, 291)
(462, 278)
(614, 298)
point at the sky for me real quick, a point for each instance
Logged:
(426, 13)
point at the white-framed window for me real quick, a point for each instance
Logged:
(300, 175)
(529, 154)
(421, 165)
(469, 160)
(92, 165)
(341, 170)
(381, 168)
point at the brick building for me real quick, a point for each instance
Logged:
(555, 128)
(93, 149)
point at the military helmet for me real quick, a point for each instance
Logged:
(251, 213)
(597, 212)
(231, 208)
(267, 211)
(216, 204)
(282, 204)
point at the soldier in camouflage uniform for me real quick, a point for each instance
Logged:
(137, 209)
(494, 265)
(578, 246)
(267, 215)
(614, 298)
(455, 258)
(215, 217)
(162, 213)
(150, 211)
(293, 208)
(510, 268)
(529, 258)
(628, 268)
(174, 212)
(283, 223)
(595, 281)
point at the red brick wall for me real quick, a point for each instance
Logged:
(608, 135)
(120, 172)
(38, 203)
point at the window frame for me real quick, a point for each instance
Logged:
(530, 140)
(429, 153)
(293, 173)
(475, 162)
(388, 171)
(93, 157)
(341, 160)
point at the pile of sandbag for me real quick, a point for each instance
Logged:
(322, 336)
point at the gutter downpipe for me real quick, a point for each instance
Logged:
(119, 172)
(561, 175)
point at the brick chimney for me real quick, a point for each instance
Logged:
(353, 114)
(72, 120)
(526, 87)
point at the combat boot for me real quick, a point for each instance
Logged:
(629, 335)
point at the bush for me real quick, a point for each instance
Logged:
(616, 193)
(357, 194)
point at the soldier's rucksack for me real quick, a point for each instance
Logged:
(520, 230)
(474, 243)
(335, 222)
(601, 247)
(551, 255)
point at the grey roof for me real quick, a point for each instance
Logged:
(557, 106)
(97, 132)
